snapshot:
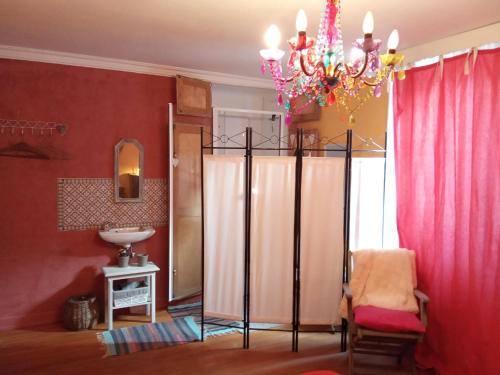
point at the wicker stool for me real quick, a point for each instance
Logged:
(80, 312)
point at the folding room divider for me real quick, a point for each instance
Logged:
(275, 233)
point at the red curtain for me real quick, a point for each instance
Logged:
(447, 141)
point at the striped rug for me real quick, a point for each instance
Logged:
(194, 310)
(128, 340)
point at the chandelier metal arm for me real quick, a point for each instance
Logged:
(288, 79)
(336, 70)
(310, 74)
(361, 71)
(344, 86)
(376, 83)
(372, 84)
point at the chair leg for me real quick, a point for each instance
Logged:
(350, 362)
(350, 355)
(411, 353)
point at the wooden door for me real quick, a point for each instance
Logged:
(186, 211)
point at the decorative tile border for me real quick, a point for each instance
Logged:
(87, 203)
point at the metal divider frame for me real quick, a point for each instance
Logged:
(248, 220)
(299, 150)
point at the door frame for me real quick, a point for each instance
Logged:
(171, 129)
(170, 201)
(211, 128)
(283, 127)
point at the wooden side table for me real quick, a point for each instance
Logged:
(113, 273)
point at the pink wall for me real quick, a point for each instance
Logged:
(39, 266)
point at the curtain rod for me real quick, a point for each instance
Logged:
(435, 59)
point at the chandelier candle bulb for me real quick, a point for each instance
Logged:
(393, 41)
(272, 37)
(368, 23)
(301, 21)
(368, 44)
(301, 26)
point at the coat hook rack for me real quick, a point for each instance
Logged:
(36, 127)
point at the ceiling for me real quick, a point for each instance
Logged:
(217, 35)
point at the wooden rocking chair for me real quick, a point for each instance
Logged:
(380, 331)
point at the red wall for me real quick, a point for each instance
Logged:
(39, 266)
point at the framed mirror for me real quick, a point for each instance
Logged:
(129, 171)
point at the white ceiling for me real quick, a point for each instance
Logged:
(217, 35)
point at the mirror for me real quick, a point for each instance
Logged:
(129, 170)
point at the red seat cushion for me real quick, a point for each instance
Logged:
(324, 372)
(387, 320)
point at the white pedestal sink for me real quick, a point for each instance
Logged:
(125, 237)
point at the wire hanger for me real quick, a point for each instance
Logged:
(24, 150)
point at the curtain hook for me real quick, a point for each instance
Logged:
(441, 66)
(474, 56)
(466, 65)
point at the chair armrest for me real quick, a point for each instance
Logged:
(347, 291)
(423, 301)
(421, 296)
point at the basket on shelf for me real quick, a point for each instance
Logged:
(129, 297)
(81, 312)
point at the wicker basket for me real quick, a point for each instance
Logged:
(130, 297)
(80, 312)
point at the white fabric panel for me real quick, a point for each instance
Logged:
(390, 236)
(321, 240)
(271, 259)
(224, 235)
(367, 203)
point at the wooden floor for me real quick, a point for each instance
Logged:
(53, 350)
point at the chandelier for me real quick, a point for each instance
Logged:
(317, 70)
